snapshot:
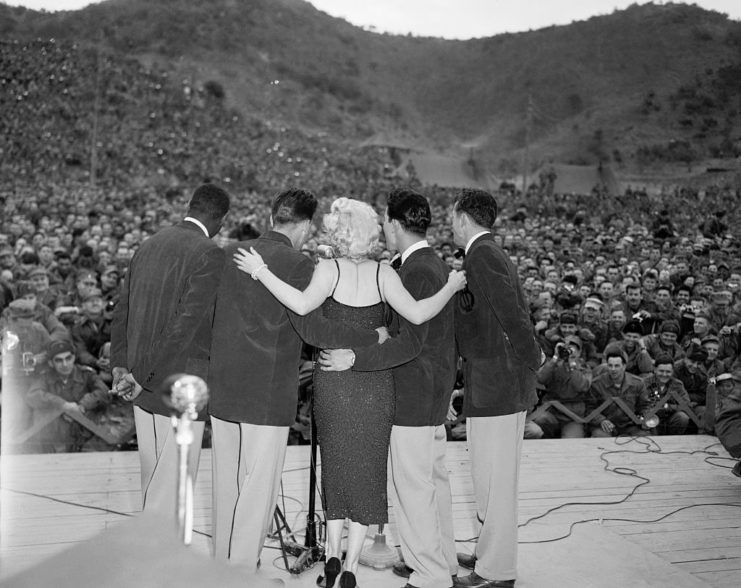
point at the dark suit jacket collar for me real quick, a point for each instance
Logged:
(478, 242)
(481, 239)
(417, 253)
(276, 236)
(191, 227)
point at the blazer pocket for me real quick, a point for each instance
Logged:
(485, 378)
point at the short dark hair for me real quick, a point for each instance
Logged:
(209, 201)
(663, 359)
(293, 206)
(29, 258)
(616, 353)
(479, 205)
(411, 209)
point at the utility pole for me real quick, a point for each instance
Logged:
(528, 125)
(96, 113)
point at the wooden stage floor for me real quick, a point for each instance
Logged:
(51, 503)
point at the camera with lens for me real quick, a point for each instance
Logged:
(28, 361)
(562, 351)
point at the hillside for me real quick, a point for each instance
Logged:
(644, 87)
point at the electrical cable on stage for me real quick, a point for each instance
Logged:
(651, 446)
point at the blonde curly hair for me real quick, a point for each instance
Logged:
(352, 228)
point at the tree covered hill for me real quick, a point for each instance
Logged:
(639, 87)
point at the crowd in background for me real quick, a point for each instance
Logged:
(647, 284)
(650, 278)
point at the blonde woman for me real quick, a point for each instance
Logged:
(353, 410)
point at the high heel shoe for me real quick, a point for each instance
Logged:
(331, 570)
(347, 580)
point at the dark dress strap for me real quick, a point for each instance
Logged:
(378, 283)
(338, 278)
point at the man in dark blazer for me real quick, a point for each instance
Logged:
(255, 357)
(500, 358)
(162, 326)
(424, 361)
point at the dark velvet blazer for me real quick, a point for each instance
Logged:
(162, 322)
(256, 344)
(423, 355)
(495, 338)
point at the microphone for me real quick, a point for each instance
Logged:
(188, 395)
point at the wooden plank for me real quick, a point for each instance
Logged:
(721, 579)
(703, 540)
(711, 565)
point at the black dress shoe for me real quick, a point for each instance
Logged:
(347, 580)
(332, 569)
(466, 560)
(402, 570)
(473, 580)
(736, 471)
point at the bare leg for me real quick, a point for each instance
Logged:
(334, 538)
(355, 541)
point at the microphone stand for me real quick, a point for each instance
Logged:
(189, 394)
(313, 552)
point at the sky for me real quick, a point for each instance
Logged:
(452, 19)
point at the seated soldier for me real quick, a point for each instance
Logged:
(689, 371)
(92, 329)
(566, 379)
(639, 361)
(592, 329)
(25, 341)
(46, 294)
(69, 388)
(566, 327)
(701, 328)
(712, 365)
(665, 342)
(41, 313)
(672, 420)
(613, 382)
(615, 325)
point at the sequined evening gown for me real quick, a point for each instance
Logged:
(354, 412)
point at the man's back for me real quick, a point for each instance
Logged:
(495, 336)
(255, 349)
(424, 384)
(163, 319)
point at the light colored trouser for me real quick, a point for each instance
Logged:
(247, 463)
(495, 444)
(158, 457)
(424, 511)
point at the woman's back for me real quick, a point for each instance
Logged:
(357, 284)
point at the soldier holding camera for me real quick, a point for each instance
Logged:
(670, 419)
(70, 388)
(566, 378)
